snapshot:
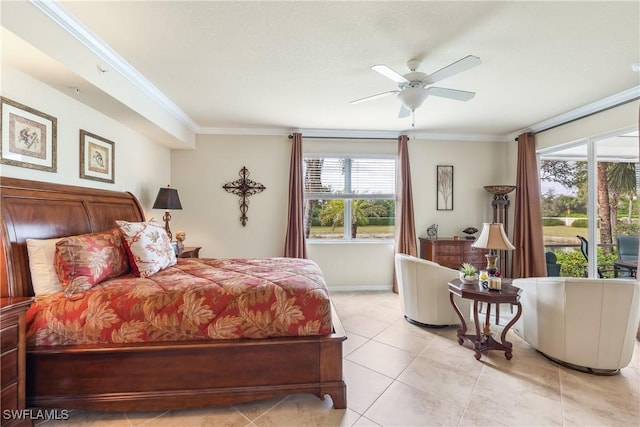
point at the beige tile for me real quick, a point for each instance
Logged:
(89, 419)
(253, 410)
(442, 378)
(601, 400)
(364, 386)
(533, 400)
(405, 336)
(226, 416)
(364, 326)
(382, 358)
(353, 342)
(138, 419)
(365, 422)
(304, 410)
(403, 405)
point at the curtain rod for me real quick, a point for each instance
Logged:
(584, 116)
(349, 137)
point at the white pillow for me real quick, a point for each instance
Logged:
(148, 246)
(43, 273)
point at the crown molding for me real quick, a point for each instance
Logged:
(352, 134)
(116, 63)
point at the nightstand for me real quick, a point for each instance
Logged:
(13, 358)
(190, 252)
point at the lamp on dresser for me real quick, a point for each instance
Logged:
(167, 199)
(493, 238)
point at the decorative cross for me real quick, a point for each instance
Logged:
(244, 187)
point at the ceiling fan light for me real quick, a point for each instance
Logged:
(413, 97)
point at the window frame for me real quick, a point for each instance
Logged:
(349, 197)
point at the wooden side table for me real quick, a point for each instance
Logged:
(483, 340)
(190, 252)
(13, 358)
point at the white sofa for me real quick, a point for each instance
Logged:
(587, 324)
(424, 292)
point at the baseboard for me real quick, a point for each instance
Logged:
(363, 288)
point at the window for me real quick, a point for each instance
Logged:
(340, 187)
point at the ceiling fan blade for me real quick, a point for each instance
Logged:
(404, 112)
(452, 69)
(458, 95)
(369, 98)
(389, 73)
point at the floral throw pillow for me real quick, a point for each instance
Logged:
(148, 246)
(88, 259)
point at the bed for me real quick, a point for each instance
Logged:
(144, 376)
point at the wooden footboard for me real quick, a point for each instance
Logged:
(186, 375)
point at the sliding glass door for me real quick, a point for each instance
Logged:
(589, 198)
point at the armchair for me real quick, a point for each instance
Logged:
(424, 292)
(582, 323)
(553, 268)
(627, 251)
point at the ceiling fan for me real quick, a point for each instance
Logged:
(414, 87)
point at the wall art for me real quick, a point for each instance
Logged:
(445, 188)
(27, 137)
(97, 157)
(244, 187)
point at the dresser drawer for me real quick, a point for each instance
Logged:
(9, 338)
(9, 366)
(470, 250)
(9, 399)
(450, 261)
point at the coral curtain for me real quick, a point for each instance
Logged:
(405, 239)
(528, 257)
(295, 245)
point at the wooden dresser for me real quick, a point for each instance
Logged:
(12, 363)
(452, 253)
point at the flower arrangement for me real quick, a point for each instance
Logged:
(468, 272)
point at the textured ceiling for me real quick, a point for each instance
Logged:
(296, 65)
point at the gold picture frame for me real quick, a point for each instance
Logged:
(97, 157)
(28, 137)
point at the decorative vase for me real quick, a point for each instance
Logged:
(469, 279)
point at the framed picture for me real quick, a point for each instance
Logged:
(27, 137)
(445, 188)
(97, 157)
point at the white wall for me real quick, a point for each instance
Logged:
(210, 216)
(141, 165)
(605, 122)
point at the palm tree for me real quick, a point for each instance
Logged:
(361, 210)
(621, 178)
(614, 179)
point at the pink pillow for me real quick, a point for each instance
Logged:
(88, 259)
(148, 246)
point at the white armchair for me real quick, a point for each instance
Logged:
(424, 292)
(586, 324)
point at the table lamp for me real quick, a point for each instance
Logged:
(167, 199)
(493, 238)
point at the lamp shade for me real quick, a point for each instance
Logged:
(493, 237)
(167, 198)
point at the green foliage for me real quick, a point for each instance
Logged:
(552, 222)
(632, 229)
(574, 264)
(580, 223)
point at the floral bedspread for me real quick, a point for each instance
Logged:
(195, 299)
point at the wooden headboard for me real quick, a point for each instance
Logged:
(40, 210)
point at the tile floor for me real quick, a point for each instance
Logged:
(398, 374)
